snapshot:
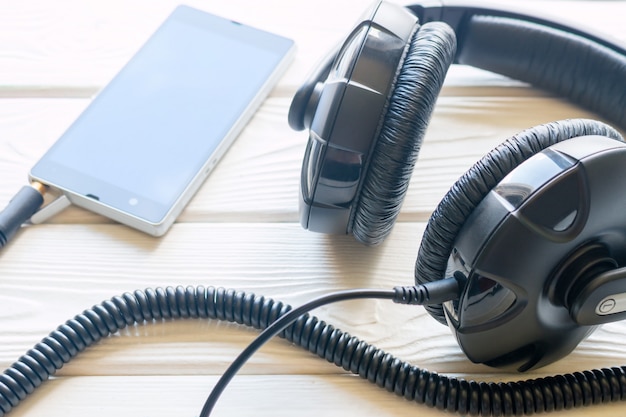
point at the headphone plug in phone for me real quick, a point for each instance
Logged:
(21, 207)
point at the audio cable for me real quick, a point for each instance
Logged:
(107, 318)
(20, 209)
(441, 291)
(383, 369)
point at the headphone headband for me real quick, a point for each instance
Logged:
(587, 68)
(457, 13)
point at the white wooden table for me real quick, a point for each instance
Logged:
(241, 231)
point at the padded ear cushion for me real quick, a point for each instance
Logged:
(449, 216)
(417, 86)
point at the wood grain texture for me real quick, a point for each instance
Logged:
(308, 396)
(240, 231)
(258, 178)
(40, 292)
(48, 47)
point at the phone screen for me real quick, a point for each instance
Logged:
(155, 126)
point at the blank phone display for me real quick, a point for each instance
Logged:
(154, 128)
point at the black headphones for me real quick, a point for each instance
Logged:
(535, 229)
(528, 246)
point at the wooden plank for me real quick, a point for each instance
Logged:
(280, 395)
(51, 273)
(70, 48)
(43, 290)
(47, 47)
(258, 179)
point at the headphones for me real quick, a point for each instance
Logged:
(522, 259)
(535, 230)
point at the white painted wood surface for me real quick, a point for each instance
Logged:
(241, 230)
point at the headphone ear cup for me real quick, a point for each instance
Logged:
(417, 86)
(451, 213)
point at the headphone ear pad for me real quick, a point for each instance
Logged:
(417, 86)
(448, 218)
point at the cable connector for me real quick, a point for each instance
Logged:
(435, 292)
(21, 207)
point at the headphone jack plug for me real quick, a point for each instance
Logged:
(21, 207)
(435, 292)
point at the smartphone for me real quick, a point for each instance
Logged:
(147, 141)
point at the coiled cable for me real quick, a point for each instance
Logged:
(316, 336)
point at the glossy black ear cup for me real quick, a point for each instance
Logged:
(409, 111)
(451, 213)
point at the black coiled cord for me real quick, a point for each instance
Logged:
(350, 353)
